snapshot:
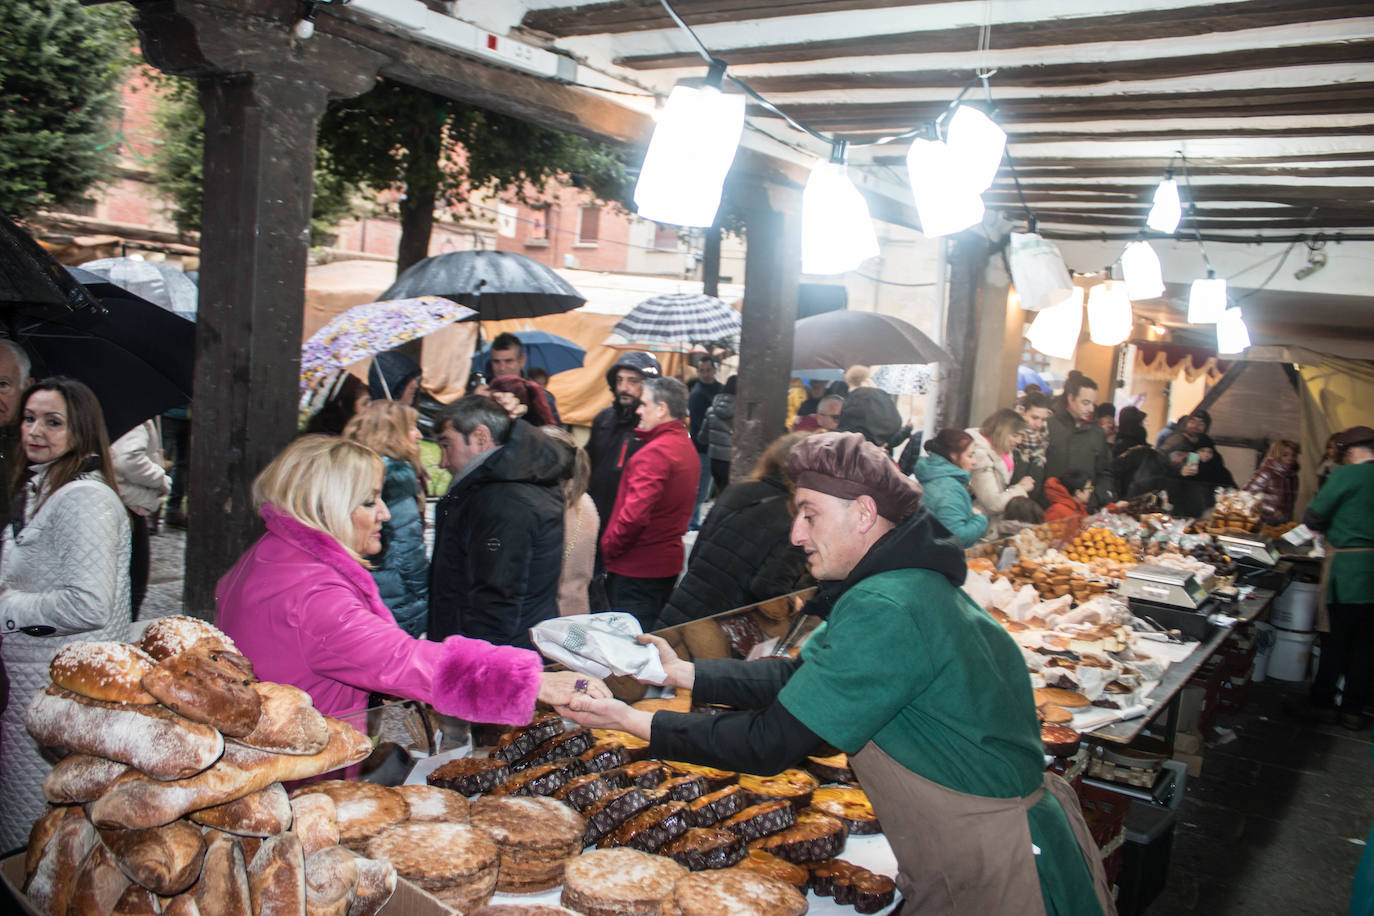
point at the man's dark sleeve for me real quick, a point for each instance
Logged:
(761, 741)
(1314, 521)
(739, 683)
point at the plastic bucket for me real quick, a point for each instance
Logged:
(1264, 650)
(1292, 652)
(1296, 608)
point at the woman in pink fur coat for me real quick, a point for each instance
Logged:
(302, 607)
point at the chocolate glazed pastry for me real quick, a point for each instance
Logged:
(650, 829)
(544, 779)
(470, 775)
(605, 754)
(520, 744)
(613, 810)
(684, 788)
(814, 838)
(760, 820)
(583, 791)
(715, 807)
(568, 744)
(702, 848)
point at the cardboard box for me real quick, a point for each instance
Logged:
(1187, 743)
(408, 900)
(1190, 702)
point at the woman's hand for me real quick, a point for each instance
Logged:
(557, 688)
(593, 712)
(1026, 483)
(680, 673)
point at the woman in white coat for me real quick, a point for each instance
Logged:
(64, 572)
(143, 482)
(994, 447)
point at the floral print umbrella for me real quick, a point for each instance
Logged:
(366, 330)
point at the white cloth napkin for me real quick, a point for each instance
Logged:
(599, 645)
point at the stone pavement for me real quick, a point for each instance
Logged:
(167, 573)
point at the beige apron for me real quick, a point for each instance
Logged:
(966, 854)
(1323, 615)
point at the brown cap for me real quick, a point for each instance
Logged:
(848, 466)
(1355, 435)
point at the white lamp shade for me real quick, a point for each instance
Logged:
(689, 156)
(1109, 313)
(837, 232)
(1037, 270)
(1232, 334)
(1140, 267)
(1206, 301)
(943, 205)
(1055, 330)
(1167, 211)
(976, 145)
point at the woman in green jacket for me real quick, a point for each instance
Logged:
(944, 476)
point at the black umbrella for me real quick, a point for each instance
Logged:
(497, 284)
(30, 278)
(137, 357)
(840, 339)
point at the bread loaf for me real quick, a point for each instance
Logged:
(315, 821)
(265, 812)
(136, 901)
(202, 686)
(376, 884)
(164, 859)
(330, 876)
(111, 671)
(168, 636)
(144, 802)
(49, 888)
(288, 722)
(155, 741)
(42, 832)
(79, 778)
(276, 877)
(223, 888)
(99, 883)
(182, 905)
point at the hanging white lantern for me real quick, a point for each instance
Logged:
(1056, 329)
(1037, 270)
(1232, 334)
(944, 205)
(976, 145)
(693, 145)
(837, 232)
(1167, 210)
(1207, 300)
(1109, 313)
(1141, 270)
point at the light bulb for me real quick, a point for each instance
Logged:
(976, 145)
(304, 29)
(943, 204)
(1206, 300)
(1056, 329)
(1109, 313)
(837, 232)
(1167, 211)
(1232, 334)
(691, 151)
(1140, 268)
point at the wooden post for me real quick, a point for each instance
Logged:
(710, 261)
(772, 264)
(968, 259)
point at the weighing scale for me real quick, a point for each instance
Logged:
(1254, 551)
(1169, 597)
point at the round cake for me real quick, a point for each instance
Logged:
(431, 803)
(534, 836)
(736, 892)
(455, 862)
(363, 809)
(619, 882)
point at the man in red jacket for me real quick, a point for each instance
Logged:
(642, 543)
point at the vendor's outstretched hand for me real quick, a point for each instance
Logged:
(595, 712)
(557, 688)
(680, 673)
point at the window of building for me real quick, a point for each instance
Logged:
(538, 236)
(665, 237)
(589, 225)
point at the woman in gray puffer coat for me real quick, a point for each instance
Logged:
(402, 570)
(64, 573)
(719, 429)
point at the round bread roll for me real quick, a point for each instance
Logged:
(1057, 696)
(109, 671)
(168, 636)
(1055, 715)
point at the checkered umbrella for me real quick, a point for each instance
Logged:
(676, 323)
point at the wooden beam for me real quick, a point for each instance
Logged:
(1272, 193)
(638, 16)
(1072, 169)
(1147, 25)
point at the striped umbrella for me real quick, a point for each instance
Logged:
(676, 323)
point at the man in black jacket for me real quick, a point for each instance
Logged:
(498, 532)
(613, 439)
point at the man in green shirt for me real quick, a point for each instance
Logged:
(926, 693)
(1343, 510)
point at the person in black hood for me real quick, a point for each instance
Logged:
(924, 691)
(613, 439)
(393, 376)
(870, 411)
(1130, 431)
(498, 532)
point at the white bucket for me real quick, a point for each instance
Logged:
(1264, 650)
(1296, 608)
(1292, 652)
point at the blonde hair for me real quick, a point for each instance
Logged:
(580, 472)
(384, 427)
(1278, 445)
(858, 377)
(318, 481)
(1001, 427)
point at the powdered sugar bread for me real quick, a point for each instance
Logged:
(454, 862)
(736, 892)
(111, 671)
(79, 778)
(266, 812)
(535, 838)
(153, 740)
(288, 722)
(363, 809)
(431, 803)
(167, 636)
(619, 882)
(142, 802)
(314, 819)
